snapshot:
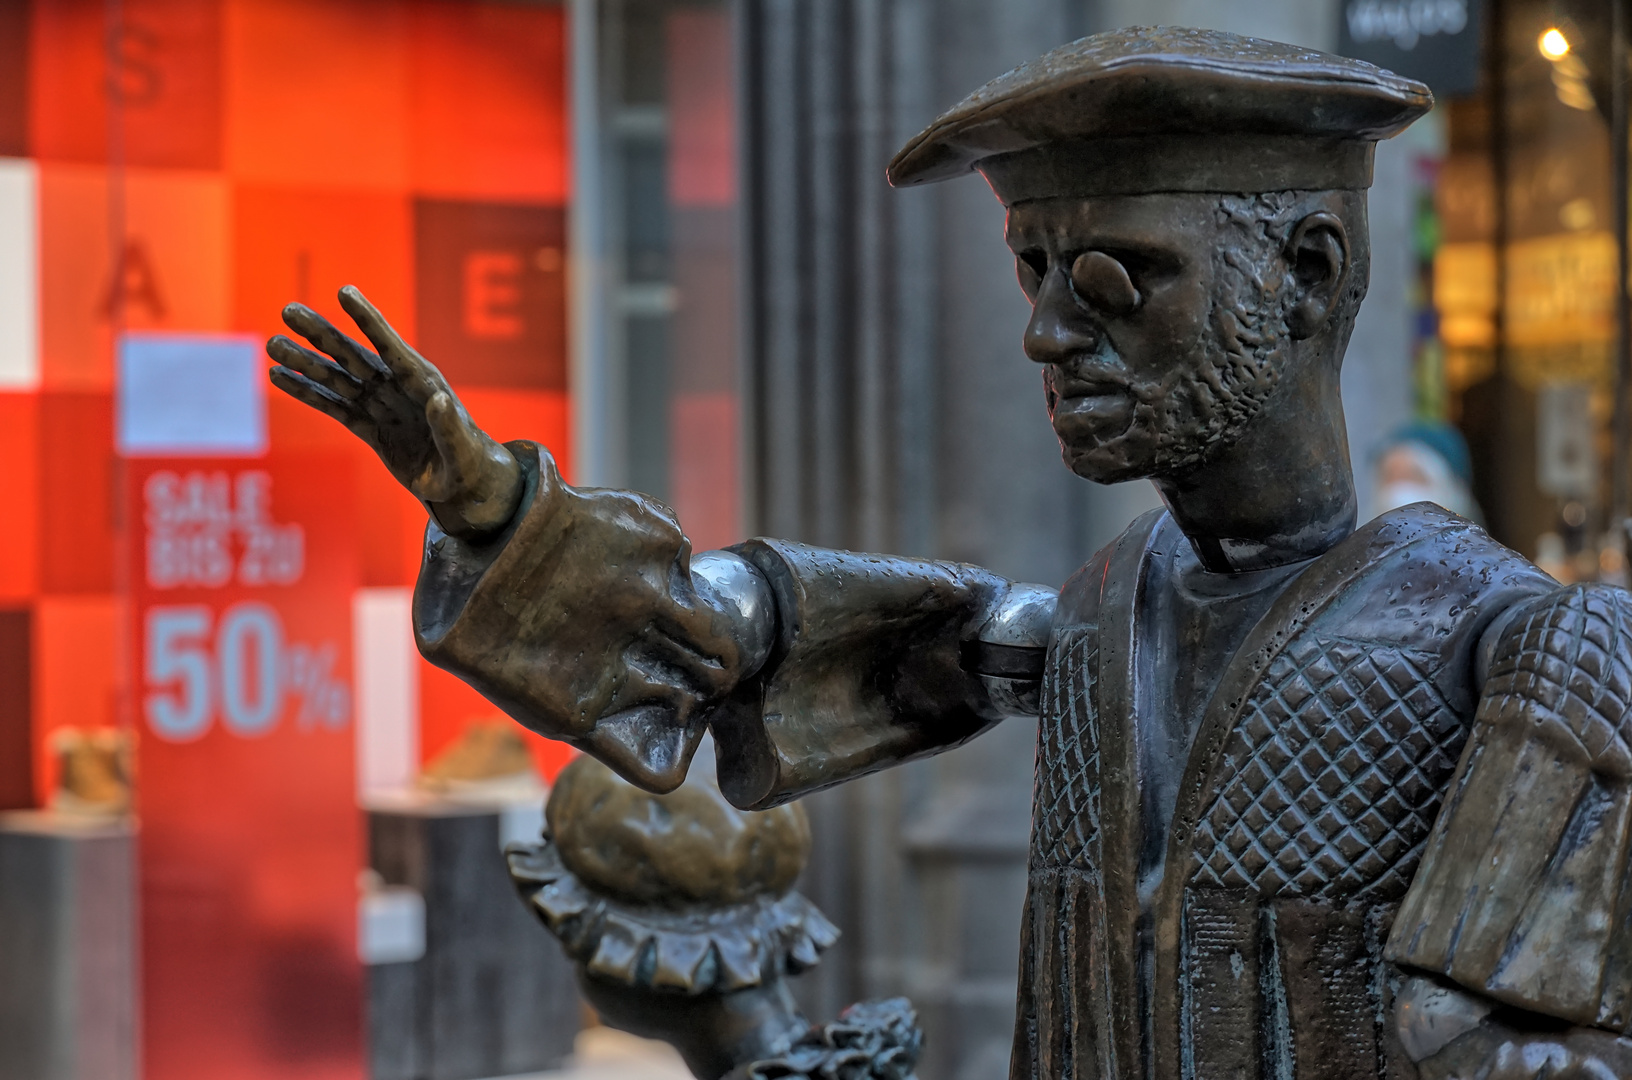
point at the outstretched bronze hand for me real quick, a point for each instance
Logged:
(400, 405)
(595, 625)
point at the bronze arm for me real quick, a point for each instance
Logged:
(878, 660)
(1524, 896)
(584, 621)
(588, 619)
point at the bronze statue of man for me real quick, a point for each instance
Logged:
(1311, 801)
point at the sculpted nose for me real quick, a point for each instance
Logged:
(1059, 329)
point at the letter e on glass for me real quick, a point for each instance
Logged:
(493, 295)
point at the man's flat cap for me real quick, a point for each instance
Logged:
(1168, 109)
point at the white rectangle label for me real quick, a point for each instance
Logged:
(19, 275)
(191, 395)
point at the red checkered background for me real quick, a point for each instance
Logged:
(190, 166)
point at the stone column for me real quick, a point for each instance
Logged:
(890, 408)
(489, 994)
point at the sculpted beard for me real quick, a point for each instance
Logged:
(1195, 408)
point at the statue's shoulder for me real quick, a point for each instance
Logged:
(1085, 591)
(1418, 580)
(1417, 567)
(1422, 564)
(1428, 526)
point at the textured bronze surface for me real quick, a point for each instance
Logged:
(1523, 894)
(1312, 802)
(687, 846)
(625, 659)
(868, 670)
(1168, 92)
(680, 914)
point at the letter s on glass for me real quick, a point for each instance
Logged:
(177, 653)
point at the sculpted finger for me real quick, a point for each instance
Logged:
(474, 488)
(456, 444)
(413, 371)
(319, 369)
(361, 364)
(307, 392)
(327, 402)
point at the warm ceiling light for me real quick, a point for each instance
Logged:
(1553, 44)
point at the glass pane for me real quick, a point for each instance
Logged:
(189, 167)
(1524, 283)
(673, 133)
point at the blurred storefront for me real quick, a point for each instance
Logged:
(205, 587)
(1519, 310)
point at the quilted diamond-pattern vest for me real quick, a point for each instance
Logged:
(1311, 789)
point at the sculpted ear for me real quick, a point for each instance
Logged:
(1319, 256)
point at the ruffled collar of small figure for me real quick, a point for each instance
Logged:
(693, 949)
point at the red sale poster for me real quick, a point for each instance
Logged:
(241, 571)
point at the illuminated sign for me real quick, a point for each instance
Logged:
(240, 563)
(1435, 41)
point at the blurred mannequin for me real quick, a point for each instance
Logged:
(1424, 461)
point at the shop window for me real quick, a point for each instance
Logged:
(670, 128)
(1522, 274)
(173, 173)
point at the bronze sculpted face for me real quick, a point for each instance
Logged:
(1166, 322)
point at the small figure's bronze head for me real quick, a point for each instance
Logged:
(689, 846)
(1187, 213)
